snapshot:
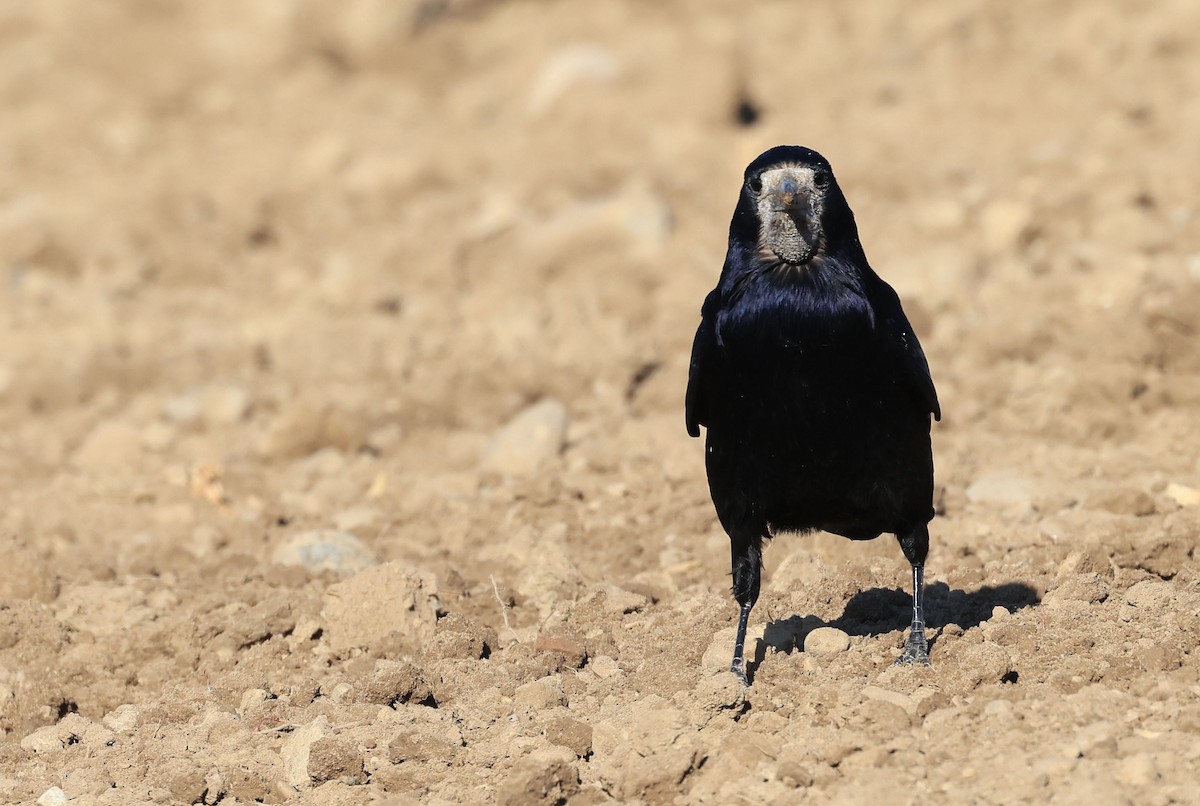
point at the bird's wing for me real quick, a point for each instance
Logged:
(703, 347)
(900, 336)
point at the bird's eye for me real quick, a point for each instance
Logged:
(754, 183)
(822, 179)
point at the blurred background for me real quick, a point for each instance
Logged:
(424, 275)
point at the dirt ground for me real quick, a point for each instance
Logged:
(342, 357)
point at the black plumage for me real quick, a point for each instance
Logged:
(813, 387)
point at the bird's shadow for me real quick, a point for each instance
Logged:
(883, 610)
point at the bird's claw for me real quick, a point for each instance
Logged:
(739, 669)
(916, 651)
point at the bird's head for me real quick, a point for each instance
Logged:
(791, 208)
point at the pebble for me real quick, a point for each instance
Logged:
(540, 695)
(325, 550)
(295, 751)
(122, 719)
(42, 740)
(1089, 587)
(605, 666)
(1149, 594)
(54, 796)
(1183, 495)
(532, 437)
(896, 698)
(826, 641)
(396, 682)
(330, 759)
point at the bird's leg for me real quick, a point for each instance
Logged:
(738, 667)
(915, 545)
(747, 575)
(916, 649)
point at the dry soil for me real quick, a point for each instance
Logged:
(342, 356)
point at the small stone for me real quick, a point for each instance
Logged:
(901, 701)
(572, 734)
(330, 759)
(571, 649)
(396, 682)
(1089, 587)
(325, 550)
(54, 796)
(252, 697)
(540, 695)
(605, 667)
(1150, 594)
(43, 740)
(295, 751)
(620, 601)
(122, 719)
(540, 778)
(826, 641)
(715, 695)
(999, 612)
(534, 436)
(1183, 495)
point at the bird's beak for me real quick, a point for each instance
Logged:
(788, 209)
(787, 192)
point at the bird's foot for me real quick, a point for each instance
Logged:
(916, 650)
(739, 668)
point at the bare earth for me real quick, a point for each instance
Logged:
(342, 356)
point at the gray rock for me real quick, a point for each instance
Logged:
(54, 796)
(325, 550)
(534, 436)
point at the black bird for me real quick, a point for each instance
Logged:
(812, 385)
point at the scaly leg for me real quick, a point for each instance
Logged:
(916, 648)
(747, 575)
(915, 545)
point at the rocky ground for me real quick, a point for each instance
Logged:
(342, 355)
